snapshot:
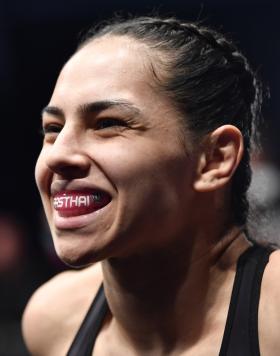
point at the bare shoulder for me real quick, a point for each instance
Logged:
(269, 307)
(56, 310)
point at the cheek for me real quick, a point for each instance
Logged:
(42, 182)
(40, 172)
(153, 199)
(148, 176)
(138, 163)
(124, 166)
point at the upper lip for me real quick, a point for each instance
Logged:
(58, 186)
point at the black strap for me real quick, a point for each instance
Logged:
(85, 338)
(241, 331)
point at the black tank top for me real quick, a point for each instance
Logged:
(241, 331)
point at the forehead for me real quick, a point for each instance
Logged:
(111, 64)
(108, 68)
(115, 68)
(118, 51)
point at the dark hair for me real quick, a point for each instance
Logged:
(209, 80)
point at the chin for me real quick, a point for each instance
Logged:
(73, 261)
(76, 257)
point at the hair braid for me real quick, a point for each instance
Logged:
(253, 94)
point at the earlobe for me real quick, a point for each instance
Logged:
(219, 158)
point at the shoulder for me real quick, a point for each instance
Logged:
(270, 287)
(269, 307)
(56, 310)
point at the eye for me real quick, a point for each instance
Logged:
(51, 128)
(108, 123)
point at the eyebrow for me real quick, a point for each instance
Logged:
(52, 110)
(95, 107)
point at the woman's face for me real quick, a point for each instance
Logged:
(114, 177)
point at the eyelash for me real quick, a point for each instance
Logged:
(101, 124)
(51, 128)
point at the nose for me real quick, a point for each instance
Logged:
(66, 156)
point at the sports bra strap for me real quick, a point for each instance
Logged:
(241, 331)
(86, 336)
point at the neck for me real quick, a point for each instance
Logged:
(153, 297)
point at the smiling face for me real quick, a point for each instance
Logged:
(114, 177)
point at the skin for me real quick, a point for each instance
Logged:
(131, 163)
(167, 229)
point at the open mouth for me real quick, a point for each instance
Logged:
(74, 202)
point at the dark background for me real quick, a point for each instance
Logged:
(36, 38)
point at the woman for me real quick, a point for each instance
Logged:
(145, 167)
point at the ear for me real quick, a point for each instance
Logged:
(220, 156)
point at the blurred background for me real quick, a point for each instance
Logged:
(36, 38)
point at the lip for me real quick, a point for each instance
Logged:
(73, 217)
(80, 221)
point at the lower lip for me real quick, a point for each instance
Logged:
(77, 222)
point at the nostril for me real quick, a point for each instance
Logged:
(71, 171)
(69, 165)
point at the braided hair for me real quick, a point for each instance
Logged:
(209, 80)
